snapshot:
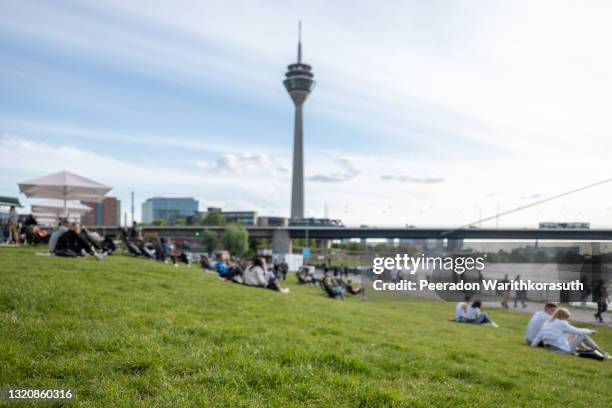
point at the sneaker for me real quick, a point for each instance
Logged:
(493, 324)
(607, 356)
(101, 256)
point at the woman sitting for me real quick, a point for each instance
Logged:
(473, 314)
(255, 275)
(559, 335)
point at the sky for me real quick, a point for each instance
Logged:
(425, 113)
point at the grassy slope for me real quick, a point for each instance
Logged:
(128, 331)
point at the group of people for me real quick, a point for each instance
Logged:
(551, 328)
(17, 231)
(334, 287)
(255, 274)
(159, 249)
(69, 239)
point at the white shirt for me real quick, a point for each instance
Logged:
(554, 333)
(472, 313)
(460, 310)
(535, 325)
(254, 276)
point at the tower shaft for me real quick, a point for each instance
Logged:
(297, 184)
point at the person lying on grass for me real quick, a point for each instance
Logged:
(537, 321)
(255, 275)
(473, 314)
(559, 335)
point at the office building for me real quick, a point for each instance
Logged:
(240, 217)
(106, 213)
(168, 209)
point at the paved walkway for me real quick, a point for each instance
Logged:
(579, 314)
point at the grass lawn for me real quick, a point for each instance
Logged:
(127, 332)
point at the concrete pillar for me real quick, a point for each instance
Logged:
(281, 242)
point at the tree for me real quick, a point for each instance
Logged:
(159, 222)
(213, 218)
(180, 221)
(210, 241)
(236, 239)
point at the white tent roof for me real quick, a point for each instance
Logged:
(65, 186)
(57, 207)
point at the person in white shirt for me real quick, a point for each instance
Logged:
(461, 310)
(537, 321)
(477, 316)
(258, 275)
(254, 275)
(561, 336)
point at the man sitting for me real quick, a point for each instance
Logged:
(537, 321)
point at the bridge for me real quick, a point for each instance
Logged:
(281, 236)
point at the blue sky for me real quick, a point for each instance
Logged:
(425, 113)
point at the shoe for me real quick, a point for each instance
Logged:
(493, 324)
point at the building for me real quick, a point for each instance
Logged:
(565, 225)
(107, 213)
(315, 222)
(240, 217)
(299, 84)
(269, 221)
(168, 209)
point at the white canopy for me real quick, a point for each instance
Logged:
(64, 186)
(57, 207)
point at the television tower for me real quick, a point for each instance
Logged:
(299, 84)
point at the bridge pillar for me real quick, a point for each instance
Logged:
(281, 242)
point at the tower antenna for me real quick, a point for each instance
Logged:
(299, 42)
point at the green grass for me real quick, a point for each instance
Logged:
(126, 332)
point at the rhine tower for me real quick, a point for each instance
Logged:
(299, 84)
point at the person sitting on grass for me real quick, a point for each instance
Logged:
(71, 244)
(57, 233)
(477, 316)
(348, 285)
(537, 321)
(461, 309)
(559, 335)
(255, 275)
(331, 287)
